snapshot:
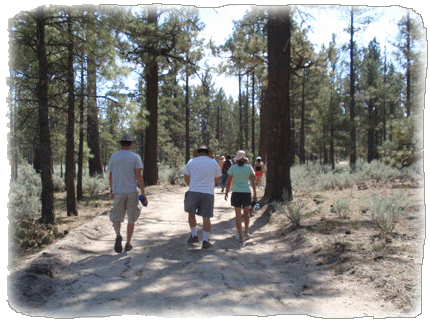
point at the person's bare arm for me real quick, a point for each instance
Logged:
(187, 179)
(252, 179)
(227, 188)
(110, 185)
(139, 178)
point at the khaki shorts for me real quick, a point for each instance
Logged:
(125, 202)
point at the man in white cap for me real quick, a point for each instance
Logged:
(202, 174)
(125, 176)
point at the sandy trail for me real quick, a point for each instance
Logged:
(164, 276)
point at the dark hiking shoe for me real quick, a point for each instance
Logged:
(128, 247)
(206, 244)
(193, 239)
(118, 244)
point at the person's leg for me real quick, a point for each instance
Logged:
(206, 224)
(193, 227)
(206, 232)
(130, 230)
(118, 239)
(192, 220)
(117, 215)
(117, 227)
(238, 212)
(134, 208)
(246, 220)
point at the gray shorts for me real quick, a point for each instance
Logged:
(199, 203)
(125, 202)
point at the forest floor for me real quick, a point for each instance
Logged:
(328, 267)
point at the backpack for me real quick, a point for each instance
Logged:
(226, 166)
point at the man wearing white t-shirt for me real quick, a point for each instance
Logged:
(202, 174)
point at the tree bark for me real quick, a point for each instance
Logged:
(47, 196)
(253, 116)
(187, 119)
(70, 152)
(150, 170)
(79, 189)
(302, 123)
(95, 162)
(279, 51)
(352, 134)
(264, 124)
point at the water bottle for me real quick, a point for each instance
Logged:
(142, 200)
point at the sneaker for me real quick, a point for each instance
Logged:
(193, 239)
(128, 247)
(118, 244)
(247, 236)
(206, 244)
(239, 239)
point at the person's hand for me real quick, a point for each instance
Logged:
(226, 196)
(112, 196)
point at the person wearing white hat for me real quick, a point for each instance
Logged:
(201, 174)
(241, 174)
(125, 176)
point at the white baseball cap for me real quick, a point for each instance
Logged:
(240, 154)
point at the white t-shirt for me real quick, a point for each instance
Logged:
(122, 164)
(202, 171)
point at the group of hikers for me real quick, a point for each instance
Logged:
(202, 174)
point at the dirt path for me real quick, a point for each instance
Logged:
(166, 277)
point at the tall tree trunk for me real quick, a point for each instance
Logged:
(408, 65)
(187, 118)
(217, 123)
(352, 134)
(332, 130)
(221, 135)
(246, 113)
(240, 113)
(79, 189)
(279, 51)
(253, 116)
(95, 162)
(150, 171)
(324, 146)
(302, 123)
(70, 152)
(47, 196)
(264, 124)
(370, 136)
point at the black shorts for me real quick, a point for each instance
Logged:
(239, 199)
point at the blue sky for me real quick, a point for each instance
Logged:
(327, 21)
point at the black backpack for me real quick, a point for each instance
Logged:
(226, 166)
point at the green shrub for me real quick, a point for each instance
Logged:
(24, 194)
(94, 185)
(313, 176)
(386, 210)
(293, 209)
(342, 207)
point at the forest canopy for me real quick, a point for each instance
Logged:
(80, 76)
